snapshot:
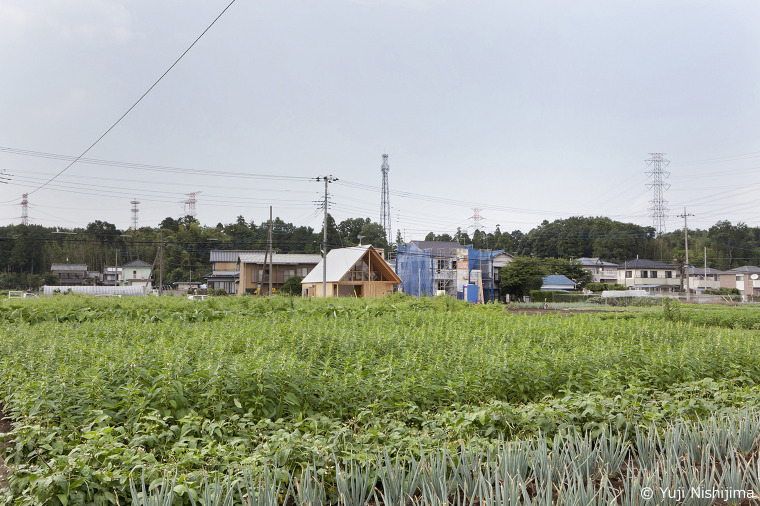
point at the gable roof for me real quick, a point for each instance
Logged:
(744, 269)
(137, 263)
(280, 258)
(340, 261)
(558, 279)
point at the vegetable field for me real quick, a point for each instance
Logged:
(253, 393)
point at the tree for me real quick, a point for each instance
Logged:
(292, 286)
(521, 275)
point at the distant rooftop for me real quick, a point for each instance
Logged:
(137, 263)
(69, 267)
(595, 262)
(642, 263)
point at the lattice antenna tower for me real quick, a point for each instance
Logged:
(659, 208)
(24, 209)
(190, 203)
(385, 202)
(477, 219)
(135, 210)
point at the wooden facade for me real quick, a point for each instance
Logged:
(357, 273)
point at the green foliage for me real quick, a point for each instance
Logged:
(292, 286)
(103, 390)
(524, 274)
(600, 287)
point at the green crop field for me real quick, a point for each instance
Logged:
(246, 396)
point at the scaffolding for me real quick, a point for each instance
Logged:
(433, 271)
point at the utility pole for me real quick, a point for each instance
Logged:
(161, 263)
(327, 180)
(686, 245)
(269, 248)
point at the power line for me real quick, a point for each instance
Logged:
(135, 104)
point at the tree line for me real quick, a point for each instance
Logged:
(27, 251)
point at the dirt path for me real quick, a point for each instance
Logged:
(5, 427)
(562, 312)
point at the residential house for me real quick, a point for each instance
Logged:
(704, 278)
(557, 282)
(253, 269)
(746, 279)
(603, 272)
(69, 274)
(112, 276)
(137, 273)
(649, 275)
(358, 271)
(224, 269)
(429, 268)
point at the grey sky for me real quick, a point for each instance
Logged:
(528, 110)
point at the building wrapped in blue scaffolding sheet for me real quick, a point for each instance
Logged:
(429, 268)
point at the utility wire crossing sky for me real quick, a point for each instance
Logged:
(525, 111)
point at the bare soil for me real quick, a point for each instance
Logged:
(5, 427)
(562, 312)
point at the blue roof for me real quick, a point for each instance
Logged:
(558, 279)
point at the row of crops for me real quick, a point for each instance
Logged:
(105, 393)
(692, 463)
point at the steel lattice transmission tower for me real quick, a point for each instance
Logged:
(24, 209)
(190, 204)
(477, 219)
(135, 210)
(385, 202)
(659, 207)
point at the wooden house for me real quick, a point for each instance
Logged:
(359, 271)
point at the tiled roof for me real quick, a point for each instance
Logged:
(69, 267)
(595, 262)
(641, 263)
(744, 269)
(137, 263)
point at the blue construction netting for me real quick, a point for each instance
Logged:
(415, 268)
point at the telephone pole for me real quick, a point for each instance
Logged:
(327, 180)
(269, 248)
(686, 246)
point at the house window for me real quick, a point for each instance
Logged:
(715, 278)
(653, 274)
(668, 274)
(740, 277)
(302, 271)
(629, 274)
(134, 274)
(644, 274)
(443, 264)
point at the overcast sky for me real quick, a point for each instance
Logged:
(528, 110)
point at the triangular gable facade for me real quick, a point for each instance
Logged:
(358, 271)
